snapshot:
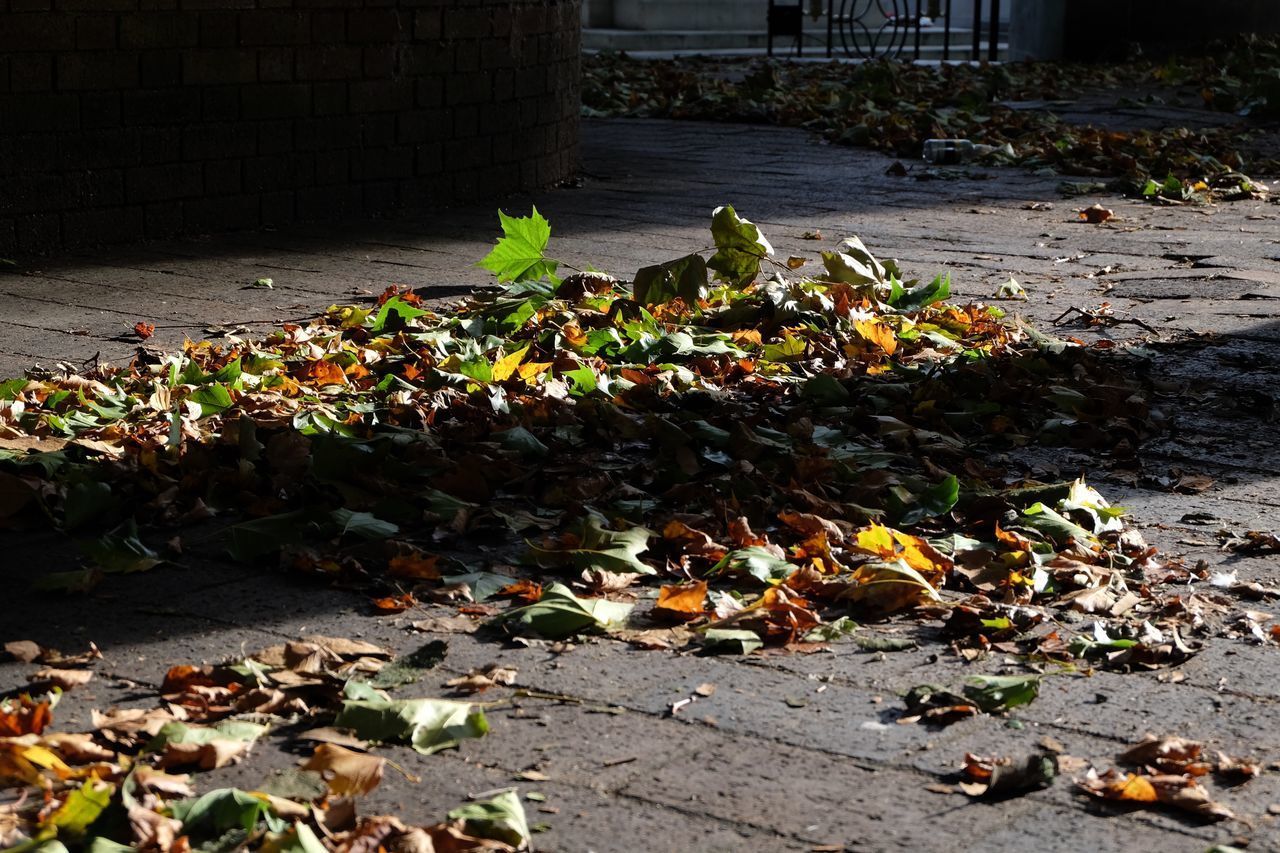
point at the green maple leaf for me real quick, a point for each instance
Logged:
(520, 253)
(740, 247)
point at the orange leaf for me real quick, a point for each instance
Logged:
(394, 603)
(416, 566)
(27, 717)
(143, 330)
(526, 590)
(682, 601)
(1132, 788)
(321, 372)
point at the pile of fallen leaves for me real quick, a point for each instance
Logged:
(778, 456)
(894, 106)
(126, 784)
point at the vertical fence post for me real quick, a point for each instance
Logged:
(977, 30)
(831, 16)
(946, 33)
(993, 36)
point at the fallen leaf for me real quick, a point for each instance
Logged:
(1096, 214)
(394, 603)
(64, 679)
(428, 725)
(446, 625)
(348, 773)
(24, 716)
(998, 776)
(479, 680)
(682, 601)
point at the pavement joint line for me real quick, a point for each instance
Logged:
(64, 303)
(143, 290)
(1230, 498)
(621, 793)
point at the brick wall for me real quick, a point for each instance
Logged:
(125, 119)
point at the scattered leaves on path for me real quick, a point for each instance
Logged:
(895, 106)
(724, 460)
(109, 788)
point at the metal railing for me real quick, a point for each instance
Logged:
(882, 28)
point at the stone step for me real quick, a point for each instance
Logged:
(754, 41)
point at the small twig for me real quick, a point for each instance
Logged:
(1099, 319)
(617, 761)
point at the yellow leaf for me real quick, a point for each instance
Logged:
(505, 366)
(530, 371)
(877, 333)
(889, 544)
(876, 539)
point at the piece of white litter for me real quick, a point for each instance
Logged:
(1224, 580)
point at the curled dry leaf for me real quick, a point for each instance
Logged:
(482, 679)
(23, 651)
(1167, 754)
(1002, 776)
(1096, 214)
(64, 679)
(1176, 791)
(446, 625)
(1170, 754)
(348, 773)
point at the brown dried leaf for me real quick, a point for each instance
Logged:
(347, 773)
(479, 680)
(1177, 791)
(1169, 754)
(1096, 214)
(205, 756)
(447, 625)
(64, 679)
(77, 748)
(23, 651)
